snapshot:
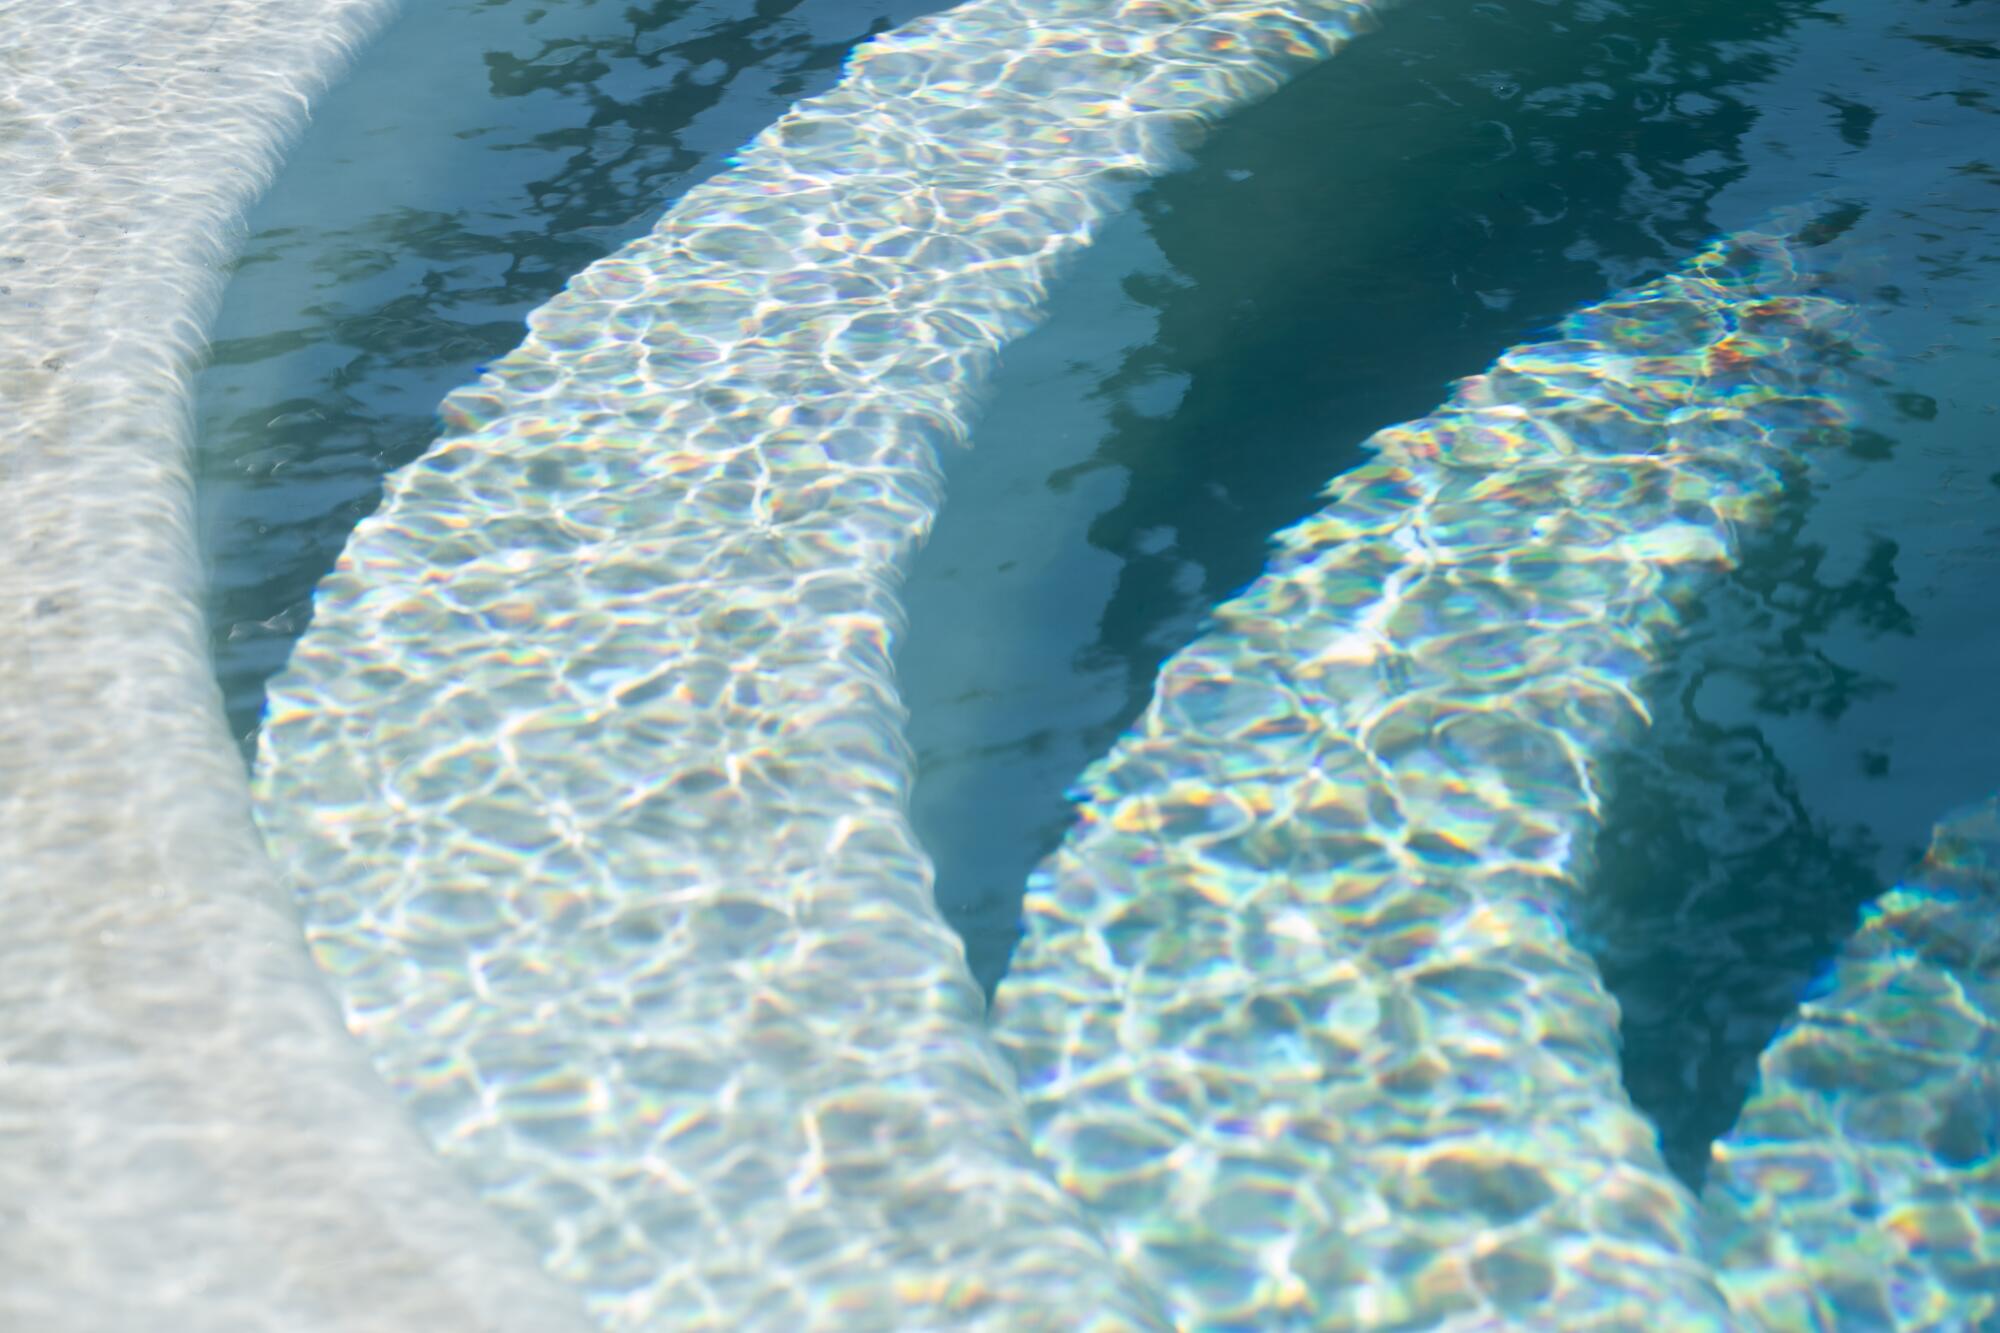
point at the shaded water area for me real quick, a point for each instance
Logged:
(479, 155)
(1328, 263)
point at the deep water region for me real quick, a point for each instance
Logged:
(1327, 263)
(1449, 186)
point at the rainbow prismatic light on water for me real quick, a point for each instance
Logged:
(1296, 1015)
(590, 780)
(589, 770)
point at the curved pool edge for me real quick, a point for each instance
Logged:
(188, 1137)
(589, 769)
(1295, 1011)
(1860, 1185)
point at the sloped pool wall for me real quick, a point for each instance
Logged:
(590, 778)
(590, 771)
(188, 1137)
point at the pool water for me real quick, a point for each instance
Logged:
(1326, 265)
(477, 156)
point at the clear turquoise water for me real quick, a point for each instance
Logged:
(1326, 265)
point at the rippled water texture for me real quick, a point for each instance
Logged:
(1447, 188)
(588, 768)
(1818, 710)
(1295, 1014)
(1880, 1103)
(479, 157)
(188, 1137)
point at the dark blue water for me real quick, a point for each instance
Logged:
(1329, 262)
(479, 154)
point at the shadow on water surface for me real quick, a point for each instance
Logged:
(1329, 262)
(480, 154)
(1718, 891)
(1833, 698)
(1335, 257)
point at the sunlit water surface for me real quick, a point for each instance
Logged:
(1328, 263)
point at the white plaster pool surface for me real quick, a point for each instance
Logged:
(187, 1137)
(1298, 977)
(710, 1040)
(587, 969)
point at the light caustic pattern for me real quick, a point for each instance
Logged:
(1295, 1014)
(188, 1138)
(589, 769)
(1860, 1188)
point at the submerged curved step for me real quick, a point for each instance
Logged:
(1295, 1013)
(188, 1138)
(589, 769)
(1860, 1187)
